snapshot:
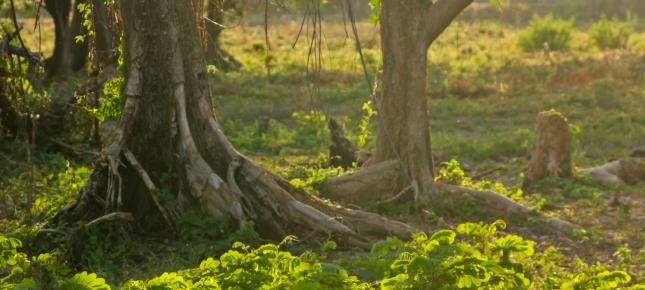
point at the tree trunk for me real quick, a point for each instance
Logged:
(551, 155)
(216, 54)
(105, 50)
(69, 56)
(404, 132)
(408, 28)
(403, 163)
(168, 140)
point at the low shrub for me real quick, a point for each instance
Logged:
(546, 33)
(611, 33)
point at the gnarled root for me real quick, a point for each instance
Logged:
(375, 184)
(366, 186)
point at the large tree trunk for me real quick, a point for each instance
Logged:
(168, 139)
(404, 132)
(215, 53)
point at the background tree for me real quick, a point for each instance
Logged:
(214, 26)
(69, 55)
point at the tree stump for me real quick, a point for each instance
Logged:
(551, 155)
(342, 152)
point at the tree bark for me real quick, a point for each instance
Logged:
(404, 132)
(216, 54)
(168, 140)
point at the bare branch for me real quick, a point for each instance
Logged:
(440, 15)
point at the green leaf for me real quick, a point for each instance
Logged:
(85, 281)
(444, 236)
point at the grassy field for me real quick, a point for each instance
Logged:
(484, 93)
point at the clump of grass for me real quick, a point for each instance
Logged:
(547, 33)
(612, 33)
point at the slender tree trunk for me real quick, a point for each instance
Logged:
(169, 140)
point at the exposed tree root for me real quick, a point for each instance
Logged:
(495, 203)
(366, 186)
(374, 185)
(223, 60)
(126, 216)
(152, 188)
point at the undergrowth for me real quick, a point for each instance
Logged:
(476, 255)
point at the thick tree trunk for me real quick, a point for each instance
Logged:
(551, 155)
(404, 132)
(168, 140)
(216, 54)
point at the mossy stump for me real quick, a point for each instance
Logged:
(551, 155)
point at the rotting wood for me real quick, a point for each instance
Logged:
(552, 153)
